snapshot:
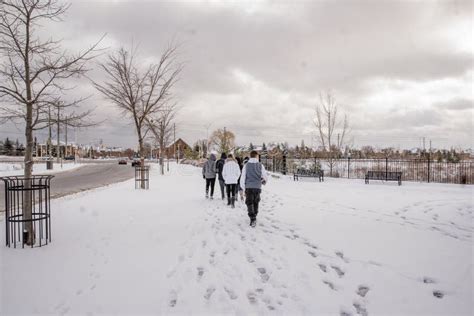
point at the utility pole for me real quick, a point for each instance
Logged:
(65, 134)
(424, 147)
(75, 142)
(48, 149)
(174, 141)
(57, 137)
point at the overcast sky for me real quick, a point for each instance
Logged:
(400, 70)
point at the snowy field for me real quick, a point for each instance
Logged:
(335, 248)
(16, 169)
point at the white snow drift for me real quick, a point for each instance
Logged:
(335, 248)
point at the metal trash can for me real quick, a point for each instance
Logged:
(49, 164)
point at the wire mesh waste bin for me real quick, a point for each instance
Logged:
(27, 211)
(142, 177)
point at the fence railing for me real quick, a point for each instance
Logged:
(421, 170)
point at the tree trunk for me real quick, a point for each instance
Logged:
(162, 161)
(58, 147)
(27, 202)
(142, 161)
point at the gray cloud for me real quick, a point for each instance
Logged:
(257, 67)
(456, 105)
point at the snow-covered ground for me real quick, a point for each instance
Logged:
(335, 248)
(15, 169)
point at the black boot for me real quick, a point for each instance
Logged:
(232, 202)
(253, 222)
(228, 201)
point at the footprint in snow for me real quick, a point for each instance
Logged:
(311, 245)
(200, 273)
(231, 293)
(362, 290)
(313, 254)
(323, 267)
(330, 284)
(209, 292)
(438, 294)
(428, 280)
(360, 309)
(338, 270)
(340, 254)
(173, 299)
(252, 297)
(263, 274)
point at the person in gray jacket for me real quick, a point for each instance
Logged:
(251, 180)
(209, 173)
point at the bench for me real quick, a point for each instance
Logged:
(308, 174)
(384, 175)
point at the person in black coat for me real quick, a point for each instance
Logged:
(220, 166)
(241, 165)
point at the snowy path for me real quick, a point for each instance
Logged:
(334, 248)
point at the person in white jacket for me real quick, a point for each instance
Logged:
(231, 174)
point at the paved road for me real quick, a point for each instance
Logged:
(84, 178)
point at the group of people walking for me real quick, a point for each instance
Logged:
(236, 177)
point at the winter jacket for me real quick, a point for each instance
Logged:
(253, 174)
(209, 169)
(219, 167)
(231, 171)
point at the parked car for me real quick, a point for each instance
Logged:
(122, 162)
(136, 162)
(71, 157)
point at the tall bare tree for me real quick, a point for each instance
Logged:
(140, 92)
(33, 71)
(161, 125)
(332, 129)
(223, 140)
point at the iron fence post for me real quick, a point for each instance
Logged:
(429, 169)
(348, 167)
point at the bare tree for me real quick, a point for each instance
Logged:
(161, 125)
(140, 92)
(33, 71)
(223, 140)
(332, 130)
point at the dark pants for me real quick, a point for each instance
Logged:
(252, 198)
(210, 182)
(231, 190)
(222, 185)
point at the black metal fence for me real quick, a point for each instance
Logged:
(420, 170)
(24, 196)
(142, 177)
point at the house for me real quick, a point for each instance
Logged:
(177, 149)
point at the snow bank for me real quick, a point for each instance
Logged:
(15, 169)
(332, 248)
